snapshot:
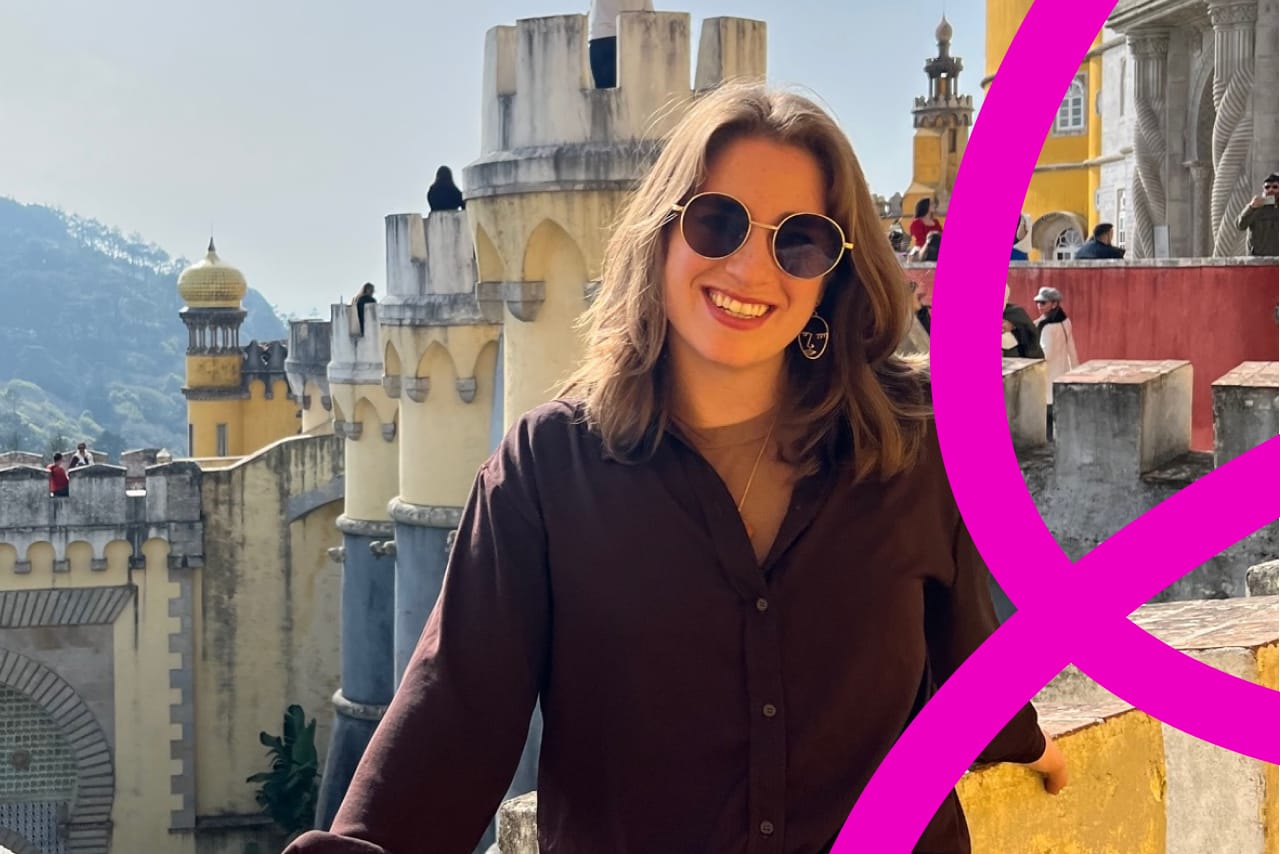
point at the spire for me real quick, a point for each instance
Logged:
(944, 33)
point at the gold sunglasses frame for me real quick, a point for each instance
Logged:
(845, 245)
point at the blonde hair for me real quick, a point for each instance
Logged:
(861, 399)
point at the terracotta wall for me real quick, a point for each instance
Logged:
(1216, 313)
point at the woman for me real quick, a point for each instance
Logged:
(923, 225)
(1057, 342)
(443, 194)
(727, 560)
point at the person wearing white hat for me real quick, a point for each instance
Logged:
(1056, 340)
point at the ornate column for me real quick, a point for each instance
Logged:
(1233, 38)
(1201, 214)
(1150, 50)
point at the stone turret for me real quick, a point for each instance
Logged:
(559, 157)
(307, 369)
(368, 420)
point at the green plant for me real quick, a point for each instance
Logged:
(288, 792)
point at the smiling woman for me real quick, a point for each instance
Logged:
(726, 560)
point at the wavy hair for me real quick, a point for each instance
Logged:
(861, 403)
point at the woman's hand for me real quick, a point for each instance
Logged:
(1053, 765)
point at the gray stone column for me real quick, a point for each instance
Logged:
(1201, 213)
(1233, 82)
(1150, 50)
(424, 536)
(368, 586)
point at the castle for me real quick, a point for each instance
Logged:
(170, 609)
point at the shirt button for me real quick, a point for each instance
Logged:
(762, 605)
(766, 828)
(769, 710)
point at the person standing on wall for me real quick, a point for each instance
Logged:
(602, 41)
(924, 224)
(1262, 220)
(1056, 340)
(443, 194)
(59, 481)
(1098, 247)
(365, 297)
(81, 457)
(726, 558)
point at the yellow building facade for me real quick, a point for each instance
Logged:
(238, 397)
(1060, 197)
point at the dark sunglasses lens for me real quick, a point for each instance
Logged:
(714, 225)
(808, 245)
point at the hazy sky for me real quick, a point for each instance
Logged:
(293, 128)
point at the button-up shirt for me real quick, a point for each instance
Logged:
(693, 699)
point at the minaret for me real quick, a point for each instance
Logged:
(212, 291)
(942, 120)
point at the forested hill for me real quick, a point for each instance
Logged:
(91, 346)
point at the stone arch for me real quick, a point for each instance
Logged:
(90, 808)
(547, 240)
(390, 360)
(366, 414)
(433, 357)
(41, 556)
(1048, 228)
(489, 266)
(79, 555)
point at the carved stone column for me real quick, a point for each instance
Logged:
(1150, 50)
(1201, 209)
(1233, 38)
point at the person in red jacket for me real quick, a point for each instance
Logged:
(924, 224)
(59, 482)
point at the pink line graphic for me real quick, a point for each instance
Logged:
(1138, 562)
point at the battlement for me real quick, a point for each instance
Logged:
(431, 271)
(308, 359)
(544, 124)
(102, 508)
(354, 358)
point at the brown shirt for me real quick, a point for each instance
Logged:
(693, 699)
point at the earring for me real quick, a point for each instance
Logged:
(813, 342)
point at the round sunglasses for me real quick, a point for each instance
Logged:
(804, 245)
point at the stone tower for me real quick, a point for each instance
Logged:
(238, 398)
(368, 420)
(559, 157)
(942, 120)
(307, 369)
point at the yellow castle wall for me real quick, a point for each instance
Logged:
(267, 613)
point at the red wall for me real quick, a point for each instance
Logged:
(1214, 315)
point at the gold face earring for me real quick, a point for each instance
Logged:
(813, 341)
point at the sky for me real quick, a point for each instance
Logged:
(290, 129)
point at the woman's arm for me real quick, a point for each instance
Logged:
(443, 756)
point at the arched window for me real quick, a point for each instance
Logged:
(1069, 240)
(1071, 112)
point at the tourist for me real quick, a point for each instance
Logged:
(932, 246)
(81, 457)
(1023, 341)
(726, 559)
(365, 297)
(602, 39)
(1262, 220)
(59, 481)
(1098, 247)
(923, 225)
(1056, 340)
(443, 194)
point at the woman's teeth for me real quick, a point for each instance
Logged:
(745, 310)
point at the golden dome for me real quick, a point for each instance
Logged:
(211, 283)
(944, 31)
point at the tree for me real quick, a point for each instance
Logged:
(290, 790)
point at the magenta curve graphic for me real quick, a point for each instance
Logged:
(1064, 613)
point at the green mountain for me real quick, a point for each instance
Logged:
(91, 347)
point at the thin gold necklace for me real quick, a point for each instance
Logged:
(751, 478)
